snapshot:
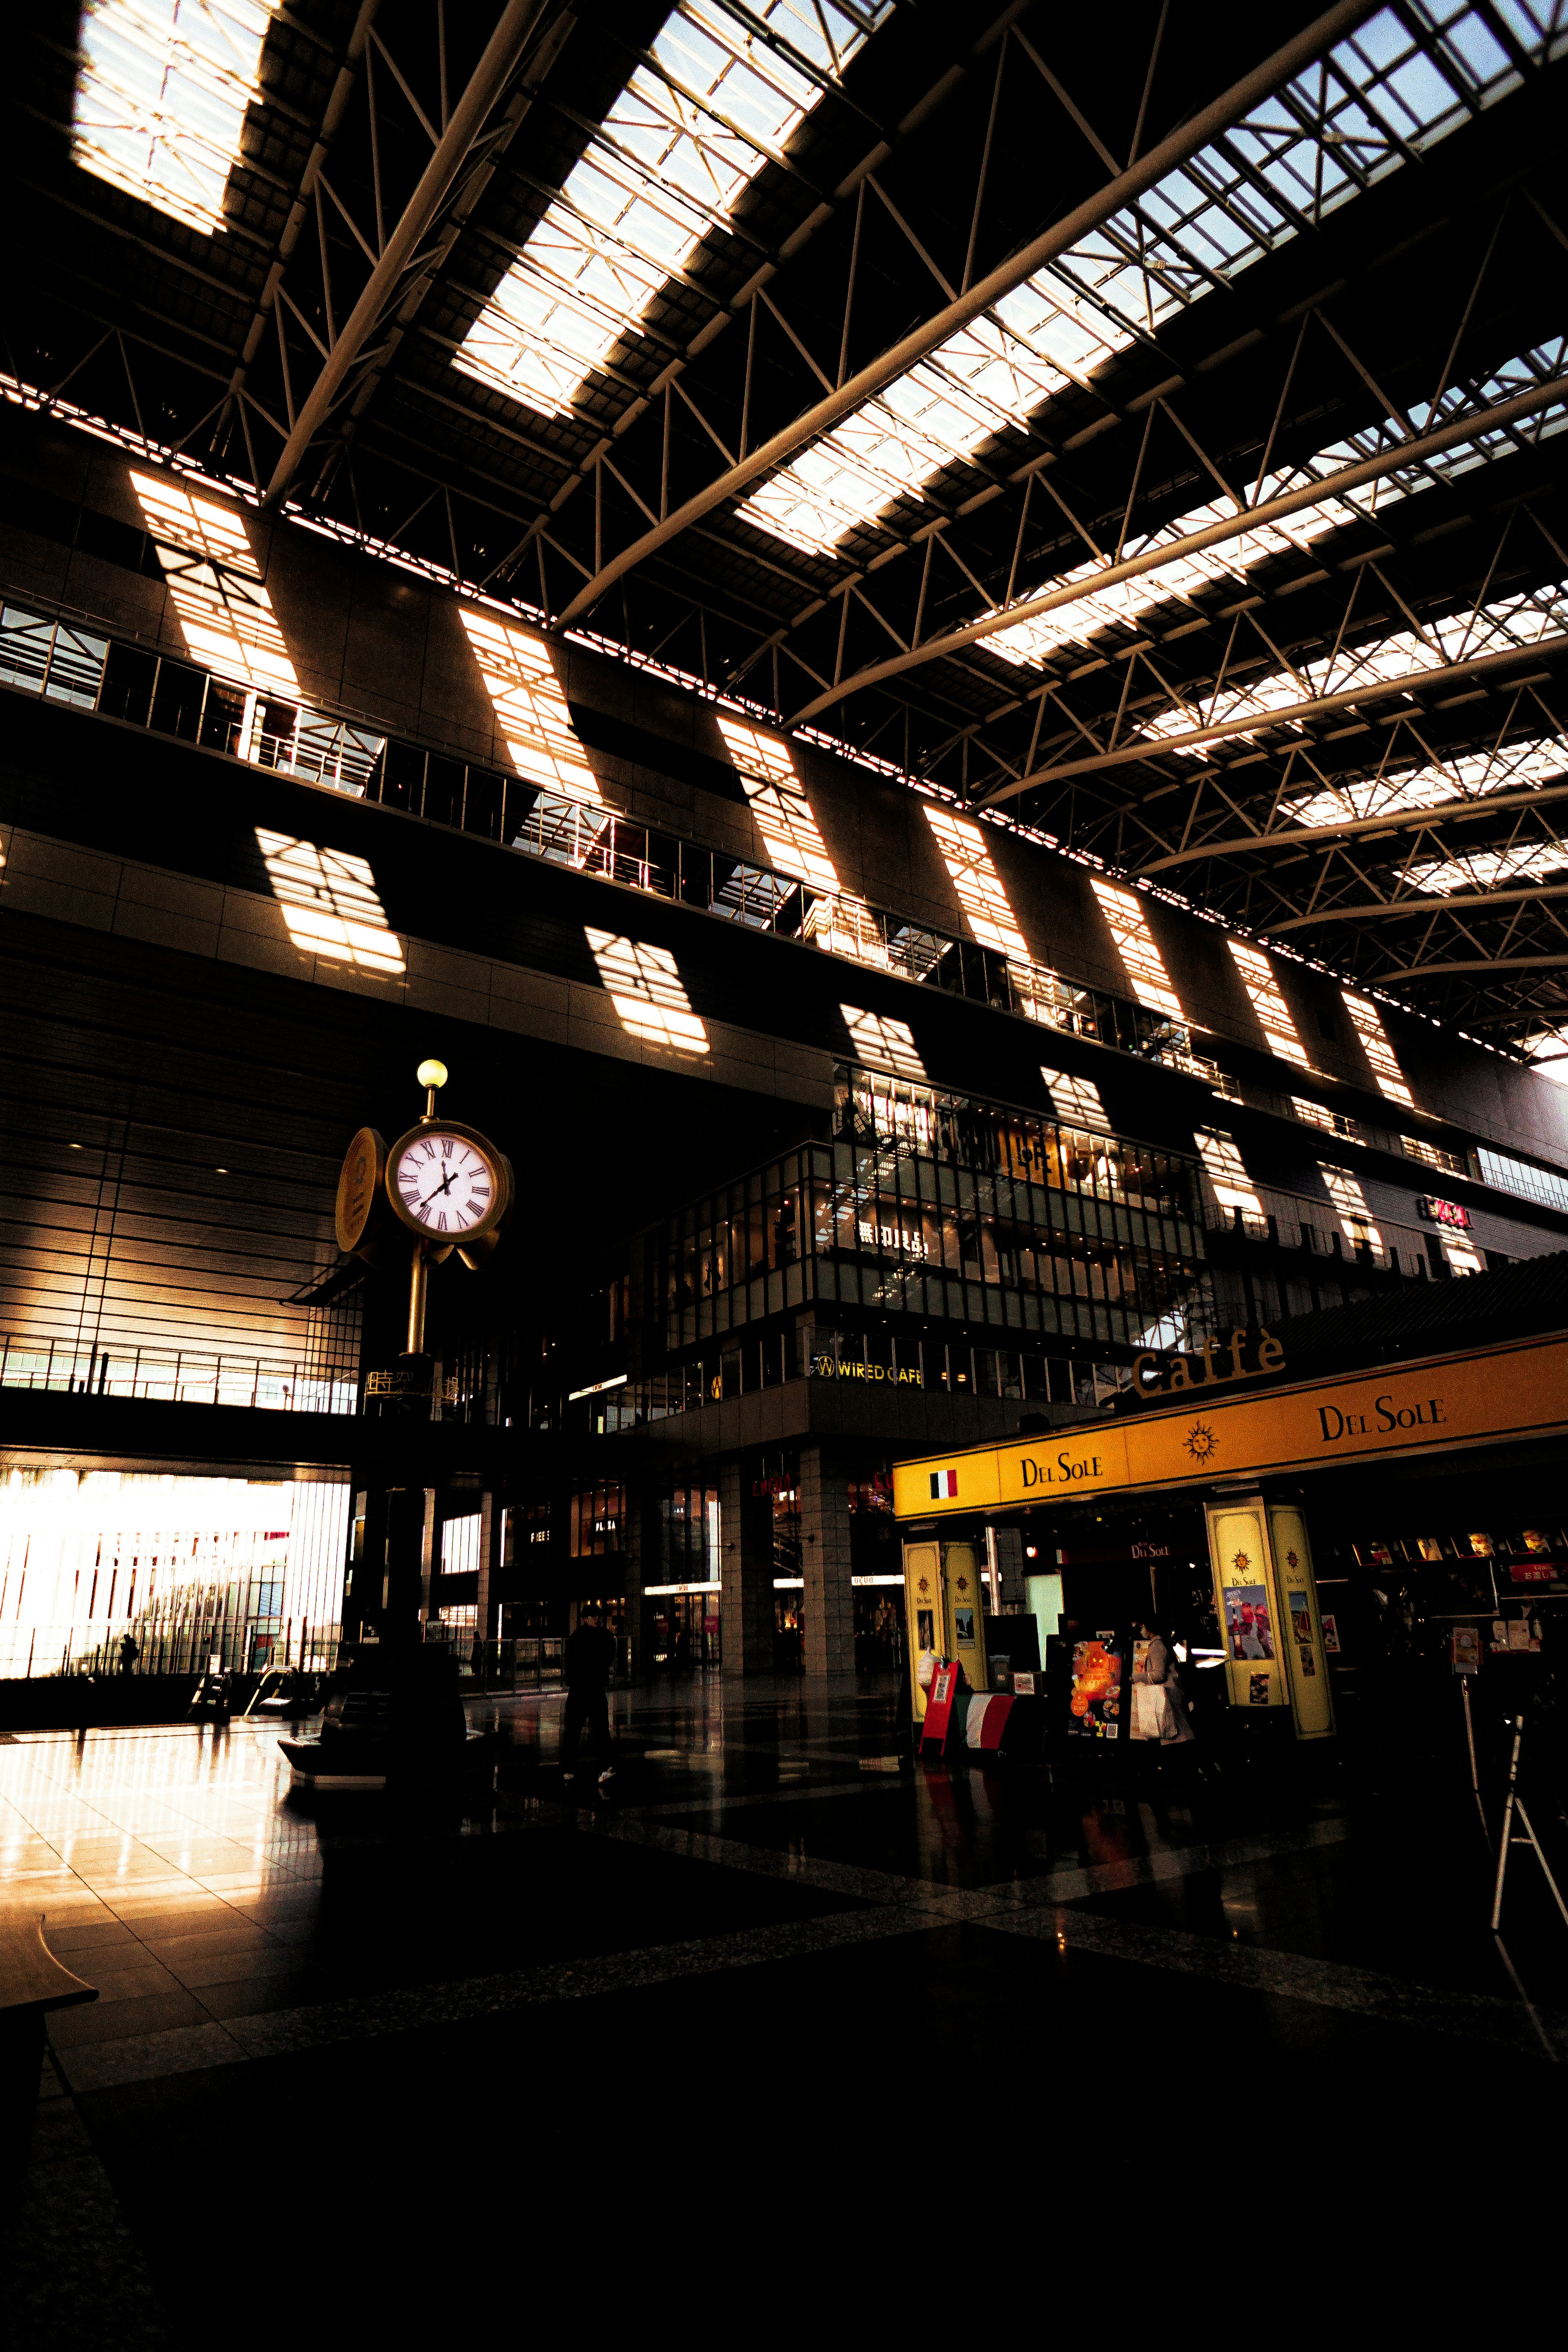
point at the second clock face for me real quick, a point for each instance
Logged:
(444, 1182)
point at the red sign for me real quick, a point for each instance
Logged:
(939, 1707)
(1527, 1572)
(1445, 1213)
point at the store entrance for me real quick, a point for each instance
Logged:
(879, 1629)
(686, 1635)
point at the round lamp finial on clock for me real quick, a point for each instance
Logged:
(431, 1073)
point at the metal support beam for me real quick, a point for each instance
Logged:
(1479, 963)
(1183, 143)
(1323, 706)
(1382, 909)
(1193, 542)
(502, 52)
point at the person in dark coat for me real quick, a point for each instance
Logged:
(590, 1653)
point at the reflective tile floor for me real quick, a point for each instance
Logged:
(769, 1985)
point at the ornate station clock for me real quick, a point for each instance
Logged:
(447, 1182)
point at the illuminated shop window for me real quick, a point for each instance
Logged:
(598, 1515)
(1076, 1101)
(535, 722)
(460, 1545)
(1226, 1172)
(214, 581)
(685, 138)
(646, 990)
(1345, 1192)
(883, 1042)
(330, 902)
(1273, 1012)
(161, 96)
(1141, 959)
(1369, 1028)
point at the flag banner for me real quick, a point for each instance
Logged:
(943, 1482)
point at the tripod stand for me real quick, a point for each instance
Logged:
(1515, 1805)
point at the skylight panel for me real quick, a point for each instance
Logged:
(1273, 1012)
(647, 991)
(1227, 1170)
(1514, 767)
(1350, 119)
(1123, 603)
(535, 722)
(161, 99)
(1141, 958)
(1487, 869)
(668, 165)
(1367, 1023)
(883, 1043)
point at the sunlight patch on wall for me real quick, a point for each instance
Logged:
(1273, 1012)
(519, 678)
(1369, 1028)
(1076, 1101)
(1226, 1172)
(835, 919)
(1141, 959)
(213, 582)
(646, 990)
(883, 1043)
(1345, 1192)
(330, 902)
(968, 860)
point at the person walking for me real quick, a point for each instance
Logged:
(589, 1654)
(130, 1651)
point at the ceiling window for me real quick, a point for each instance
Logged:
(1367, 1021)
(1487, 869)
(1392, 88)
(1273, 1012)
(677, 148)
(1226, 1172)
(161, 96)
(1124, 602)
(1141, 958)
(646, 991)
(330, 902)
(883, 1043)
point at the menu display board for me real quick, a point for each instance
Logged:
(1248, 1628)
(1094, 1710)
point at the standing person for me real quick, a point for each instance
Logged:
(590, 1653)
(1158, 1672)
(130, 1651)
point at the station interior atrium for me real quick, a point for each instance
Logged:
(783, 1064)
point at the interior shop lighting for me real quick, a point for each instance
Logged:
(676, 150)
(597, 1387)
(330, 902)
(1076, 1101)
(1125, 603)
(662, 1591)
(646, 990)
(1367, 1023)
(1273, 1012)
(1389, 91)
(1227, 1170)
(161, 95)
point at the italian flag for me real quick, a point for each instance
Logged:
(943, 1482)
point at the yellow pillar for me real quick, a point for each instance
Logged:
(945, 1611)
(1247, 1599)
(1301, 1625)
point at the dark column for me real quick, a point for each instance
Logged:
(746, 1552)
(825, 1562)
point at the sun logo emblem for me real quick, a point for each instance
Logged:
(1201, 1442)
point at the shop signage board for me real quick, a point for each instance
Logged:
(1518, 1390)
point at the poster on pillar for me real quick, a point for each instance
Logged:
(1248, 1604)
(1301, 1626)
(965, 1624)
(927, 1618)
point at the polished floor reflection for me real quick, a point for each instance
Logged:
(767, 1936)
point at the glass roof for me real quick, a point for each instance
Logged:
(1487, 869)
(666, 166)
(1125, 602)
(1378, 98)
(160, 97)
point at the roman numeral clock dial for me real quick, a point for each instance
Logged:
(445, 1185)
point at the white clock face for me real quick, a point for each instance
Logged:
(444, 1182)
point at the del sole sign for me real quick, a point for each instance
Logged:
(1443, 1402)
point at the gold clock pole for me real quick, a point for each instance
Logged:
(432, 1076)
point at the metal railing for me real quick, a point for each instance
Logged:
(525, 1662)
(179, 1642)
(174, 1375)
